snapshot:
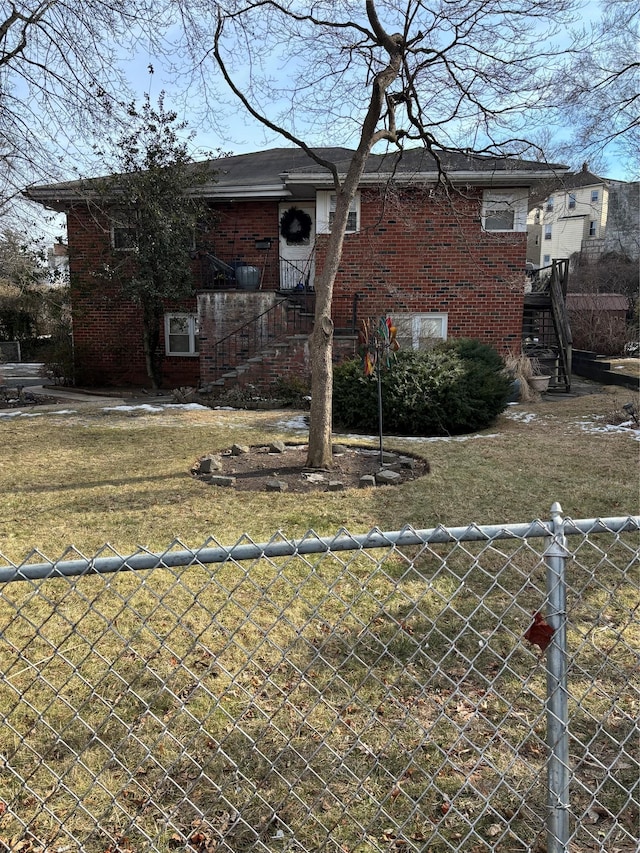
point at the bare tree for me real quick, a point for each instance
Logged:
(596, 91)
(56, 58)
(448, 74)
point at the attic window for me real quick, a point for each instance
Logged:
(499, 220)
(504, 210)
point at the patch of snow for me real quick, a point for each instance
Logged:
(224, 409)
(19, 413)
(143, 407)
(187, 407)
(148, 407)
(297, 423)
(522, 417)
(628, 427)
(459, 437)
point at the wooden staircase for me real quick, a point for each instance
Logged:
(546, 332)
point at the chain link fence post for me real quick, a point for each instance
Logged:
(557, 706)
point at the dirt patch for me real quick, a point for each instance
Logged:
(28, 400)
(261, 468)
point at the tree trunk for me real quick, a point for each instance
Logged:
(151, 316)
(321, 340)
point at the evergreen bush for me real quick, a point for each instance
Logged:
(460, 386)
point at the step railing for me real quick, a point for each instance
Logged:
(558, 291)
(297, 275)
(251, 338)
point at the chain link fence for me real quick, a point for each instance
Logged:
(349, 695)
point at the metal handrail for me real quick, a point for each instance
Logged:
(270, 326)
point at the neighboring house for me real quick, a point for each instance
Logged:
(622, 234)
(568, 216)
(58, 261)
(442, 260)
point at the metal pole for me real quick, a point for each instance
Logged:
(557, 709)
(379, 349)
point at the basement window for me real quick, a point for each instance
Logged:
(420, 331)
(181, 334)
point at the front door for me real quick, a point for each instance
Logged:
(297, 256)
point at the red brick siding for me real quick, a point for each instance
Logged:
(414, 253)
(419, 253)
(107, 328)
(289, 359)
(238, 226)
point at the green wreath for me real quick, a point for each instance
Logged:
(295, 225)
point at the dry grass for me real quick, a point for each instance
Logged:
(336, 695)
(124, 478)
(627, 366)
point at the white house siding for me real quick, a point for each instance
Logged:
(570, 226)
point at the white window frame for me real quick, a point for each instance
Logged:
(549, 204)
(495, 202)
(546, 260)
(595, 195)
(593, 228)
(415, 319)
(192, 331)
(548, 232)
(325, 209)
(571, 203)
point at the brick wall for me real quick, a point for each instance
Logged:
(107, 328)
(238, 227)
(289, 358)
(420, 252)
(416, 252)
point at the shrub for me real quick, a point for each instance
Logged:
(292, 391)
(458, 387)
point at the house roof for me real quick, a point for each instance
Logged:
(566, 182)
(290, 172)
(597, 301)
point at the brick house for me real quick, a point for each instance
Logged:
(443, 261)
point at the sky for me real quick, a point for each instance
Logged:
(242, 133)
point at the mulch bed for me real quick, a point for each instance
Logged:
(255, 470)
